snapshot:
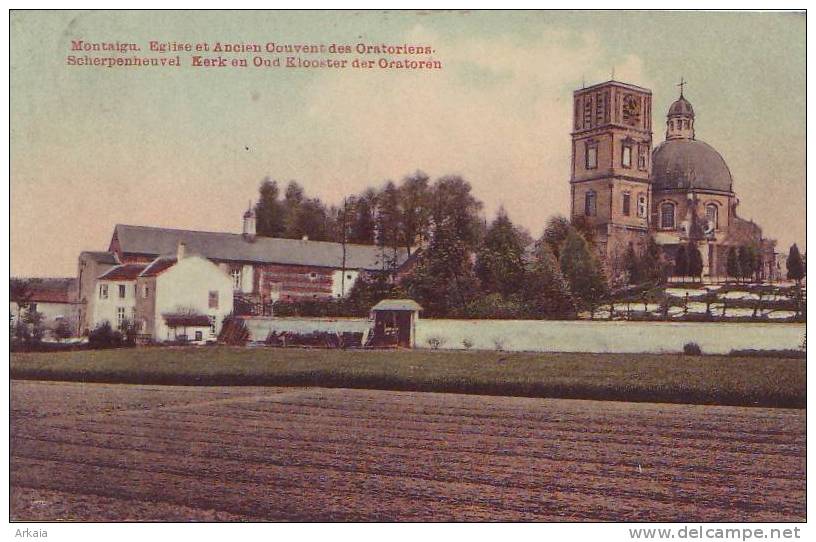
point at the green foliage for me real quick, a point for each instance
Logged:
(104, 336)
(747, 261)
(546, 292)
(681, 262)
(796, 266)
(632, 265)
(652, 266)
(582, 270)
(555, 233)
(732, 263)
(415, 205)
(269, 212)
(695, 261)
(388, 224)
(361, 225)
(500, 258)
(63, 329)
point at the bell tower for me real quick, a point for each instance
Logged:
(611, 164)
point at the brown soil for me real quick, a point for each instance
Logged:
(108, 452)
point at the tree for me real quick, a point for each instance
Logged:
(695, 262)
(415, 201)
(681, 262)
(389, 224)
(582, 270)
(34, 321)
(269, 212)
(555, 233)
(796, 266)
(631, 263)
(361, 228)
(732, 263)
(500, 258)
(747, 260)
(63, 329)
(547, 292)
(652, 263)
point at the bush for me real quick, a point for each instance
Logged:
(435, 342)
(104, 336)
(467, 342)
(692, 349)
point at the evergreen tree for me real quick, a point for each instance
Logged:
(695, 261)
(582, 270)
(796, 265)
(732, 265)
(746, 261)
(361, 224)
(500, 259)
(270, 219)
(547, 291)
(555, 233)
(652, 263)
(389, 224)
(681, 262)
(631, 263)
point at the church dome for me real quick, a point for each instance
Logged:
(681, 107)
(689, 164)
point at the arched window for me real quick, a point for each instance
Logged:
(590, 203)
(712, 216)
(667, 215)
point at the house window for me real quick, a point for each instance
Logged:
(32, 307)
(641, 206)
(313, 275)
(627, 203)
(146, 291)
(122, 292)
(236, 278)
(590, 203)
(626, 156)
(711, 216)
(213, 304)
(212, 325)
(667, 216)
(120, 317)
(199, 336)
(591, 156)
(642, 157)
(103, 291)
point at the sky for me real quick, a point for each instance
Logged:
(188, 147)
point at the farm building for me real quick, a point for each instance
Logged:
(54, 298)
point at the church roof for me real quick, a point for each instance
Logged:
(689, 164)
(681, 108)
(150, 241)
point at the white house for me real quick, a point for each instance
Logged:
(182, 298)
(54, 298)
(115, 296)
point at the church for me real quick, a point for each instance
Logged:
(680, 192)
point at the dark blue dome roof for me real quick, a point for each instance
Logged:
(687, 164)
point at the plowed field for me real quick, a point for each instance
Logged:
(124, 452)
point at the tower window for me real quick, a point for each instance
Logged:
(667, 216)
(711, 216)
(627, 203)
(641, 206)
(642, 157)
(626, 156)
(590, 203)
(591, 156)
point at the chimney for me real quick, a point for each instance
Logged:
(249, 224)
(180, 251)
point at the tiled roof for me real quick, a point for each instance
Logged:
(151, 241)
(50, 290)
(101, 257)
(128, 271)
(158, 266)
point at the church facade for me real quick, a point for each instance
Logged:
(678, 193)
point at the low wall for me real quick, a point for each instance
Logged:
(562, 335)
(614, 336)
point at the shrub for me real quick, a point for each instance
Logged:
(104, 336)
(435, 342)
(498, 342)
(692, 349)
(467, 342)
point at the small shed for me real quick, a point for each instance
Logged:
(187, 327)
(395, 322)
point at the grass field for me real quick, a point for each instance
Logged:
(667, 378)
(112, 452)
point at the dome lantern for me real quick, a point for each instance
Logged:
(680, 119)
